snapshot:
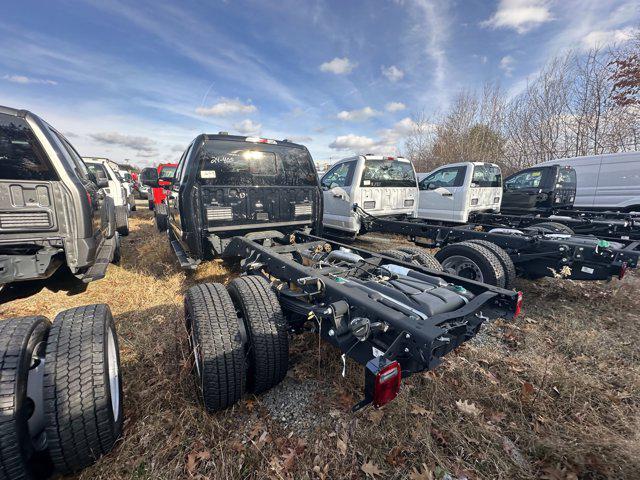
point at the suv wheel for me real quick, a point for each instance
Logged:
(554, 227)
(217, 345)
(122, 220)
(117, 252)
(161, 222)
(82, 387)
(259, 308)
(472, 261)
(503, 258)
(22, 421)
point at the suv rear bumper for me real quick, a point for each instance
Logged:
(40, 265)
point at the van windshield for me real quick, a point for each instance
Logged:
(388, 173)
(20, 155)
(486, 176)
(228, 162)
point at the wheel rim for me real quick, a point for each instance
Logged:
(114, 374)
(463, 267)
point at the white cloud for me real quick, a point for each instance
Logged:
(386, 143)
(605, 38)
(25, 80)
(139, 144)
(520, 15)
(352, 142)
(339, 66)
(357, 115)
(247, 127)
(392, 73)
(300, 139)
(395, 106)
(506, 64)
(226, 107)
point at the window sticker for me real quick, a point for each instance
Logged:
(208, 174)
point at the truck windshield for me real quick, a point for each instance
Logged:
(386, 173)
(20, 155)
(566, 178)
(168, 171)
(228, 162)
(486, 176)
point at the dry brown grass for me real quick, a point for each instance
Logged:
(553, 395)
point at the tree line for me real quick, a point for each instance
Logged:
(578, 104)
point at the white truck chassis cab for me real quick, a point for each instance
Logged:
(382, 186)
(452, 192)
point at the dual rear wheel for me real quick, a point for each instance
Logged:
(238, 339)
(60, 392)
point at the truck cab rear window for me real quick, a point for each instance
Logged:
(21, 157)
(241, 163)
(566, 178)
(486, 176)
(388, 173)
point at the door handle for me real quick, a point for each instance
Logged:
(447, 194)
(336, 195)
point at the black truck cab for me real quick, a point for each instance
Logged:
(539, 189)
(228, 185)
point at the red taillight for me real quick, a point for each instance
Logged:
(89, 198)
(623, 270)
(387, 384)
(518, 305)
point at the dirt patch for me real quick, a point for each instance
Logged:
(552, 395)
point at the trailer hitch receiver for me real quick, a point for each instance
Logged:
(382, 380)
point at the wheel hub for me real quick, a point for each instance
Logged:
(463, 267)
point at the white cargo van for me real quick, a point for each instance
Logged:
(450, 193)
(381, 186)
(610, 181)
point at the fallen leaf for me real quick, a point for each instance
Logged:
(423, 474)
(375, 416)
(203, 455)
(371, 469)
(468, 408)
(419, 410)
(342, 447)
(437, 434)
(395, 457)
(192, 461)
(497, 417)
(526, 391)
(288, 459)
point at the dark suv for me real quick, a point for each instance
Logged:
(539, 189)
(51, 212)
(230, 185)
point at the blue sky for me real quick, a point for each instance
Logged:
(139, 80)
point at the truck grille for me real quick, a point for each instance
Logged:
(302, 209)
(24, 220)
(219, 213)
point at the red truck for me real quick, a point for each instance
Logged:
(165, 170)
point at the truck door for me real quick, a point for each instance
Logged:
(337, 191)
(523, 190)
(173, 197)
(437, 193)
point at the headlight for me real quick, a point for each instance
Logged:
(558, 200)
(408, 202)
(369, 204)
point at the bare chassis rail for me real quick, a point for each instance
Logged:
(533, 254)
(308, 293)
(615, 225)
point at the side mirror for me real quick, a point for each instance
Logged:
(101, 179)
(149, 177)
(431, 186)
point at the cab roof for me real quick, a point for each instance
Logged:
(249, 139)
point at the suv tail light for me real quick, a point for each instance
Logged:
(260, 140)
(387, 384)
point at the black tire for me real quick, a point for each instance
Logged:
(555, 227)
(217, 345)
(108, 217)
(266, 328)
(505, 260)
(482, 259)
(20, 339)
(162, 222)
(151, 205)
(423, 257)
(82, 387)
(398, 255)
(122, 221)
(117, 253)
